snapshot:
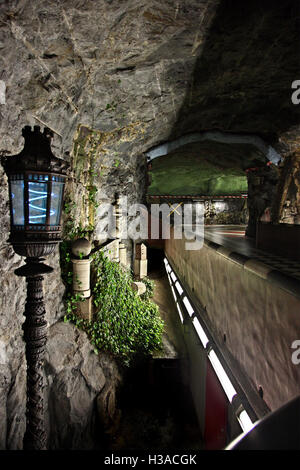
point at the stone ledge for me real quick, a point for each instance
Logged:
(257, 267)
(263, 270)
(224, 251)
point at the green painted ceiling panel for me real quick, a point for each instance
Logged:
(187, 176)
(206, 168)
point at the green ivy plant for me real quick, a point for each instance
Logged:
(72, 230)
(124, 325)
(111, 106)
(65, 263)
(149, 283)
(92, 191)
(69, 206)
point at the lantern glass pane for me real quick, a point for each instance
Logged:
(37, 193)
(17, 201)
(56, 201)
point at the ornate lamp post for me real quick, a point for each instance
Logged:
(36, 185)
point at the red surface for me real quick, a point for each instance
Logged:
(215, 412)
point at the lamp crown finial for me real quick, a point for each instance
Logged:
(36, 154)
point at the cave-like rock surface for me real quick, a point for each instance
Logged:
(113, 79)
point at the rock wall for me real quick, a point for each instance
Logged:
(262, 189)
(101, 76)
(81, 390)
(286, 205)
(226, 212)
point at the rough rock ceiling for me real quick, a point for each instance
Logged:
(243, 74)
(104, 64)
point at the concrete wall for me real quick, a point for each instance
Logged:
(254, 306)
(194, 369)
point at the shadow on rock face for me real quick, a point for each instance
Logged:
(244, 71)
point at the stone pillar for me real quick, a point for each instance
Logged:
(81, 277)
(81, 249)
(138, 287)
(111, 250)
(123, 254)
(118, 216)
(140, 262)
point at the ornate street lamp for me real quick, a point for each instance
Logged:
(36, 181)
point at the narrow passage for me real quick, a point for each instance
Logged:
(156, 406)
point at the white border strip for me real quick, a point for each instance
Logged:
(201, 333)
(243, 417)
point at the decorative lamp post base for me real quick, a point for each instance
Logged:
(35, 335)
